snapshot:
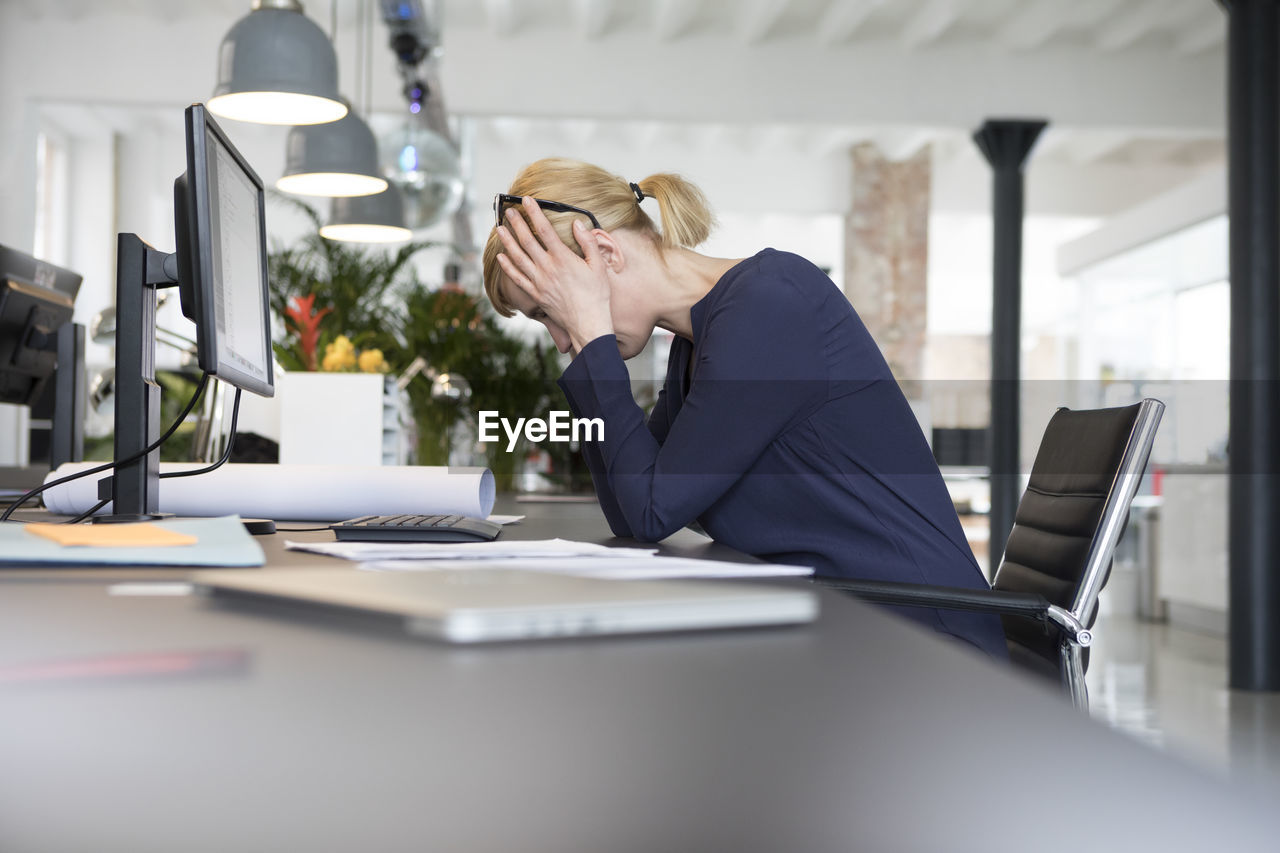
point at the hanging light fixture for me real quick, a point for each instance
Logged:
(275, 66)
(377, 218)
(337, 159)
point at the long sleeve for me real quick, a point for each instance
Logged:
(591, 452)
(658, 417)
(760, 370)
(595, 464)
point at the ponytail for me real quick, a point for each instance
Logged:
(686, 216)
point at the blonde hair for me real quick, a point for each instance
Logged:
(686, 216)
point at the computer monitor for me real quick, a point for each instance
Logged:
(222, 257)
(220, 267)
(42, 354)
(28, 268)
(30, 318)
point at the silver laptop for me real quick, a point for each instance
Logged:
(487, 605)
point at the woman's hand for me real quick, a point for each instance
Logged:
(573, 291)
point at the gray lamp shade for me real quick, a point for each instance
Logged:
(275, 66)
(335, 159)
(377, 218)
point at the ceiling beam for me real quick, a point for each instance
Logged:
(899, 145)
(930, 22)
(1148, 86)
(760, 17)
(1035, 23)
(1204, 32)
(593, 17)
(671, 18)
(843, 18)
(1135, 22)
(1085, 148)
(825, 141)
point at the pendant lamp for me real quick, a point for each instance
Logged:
(377, 218)
(276, 66)
(336, 159)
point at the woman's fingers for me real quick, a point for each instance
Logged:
(519, 227)
(587, 240)
(514, 274)
(514, 252)
(547, 236)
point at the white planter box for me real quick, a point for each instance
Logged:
(332, 418)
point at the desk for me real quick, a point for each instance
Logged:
(857, 733)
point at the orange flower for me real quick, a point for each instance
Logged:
(306, 323)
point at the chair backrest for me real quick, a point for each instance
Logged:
(1071, 516)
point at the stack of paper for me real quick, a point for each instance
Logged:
(550, 555)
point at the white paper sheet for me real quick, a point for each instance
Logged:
(517, 549)
(611, 568)
(299, 492)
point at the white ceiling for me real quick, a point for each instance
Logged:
(1128, 85)
(1187, 26)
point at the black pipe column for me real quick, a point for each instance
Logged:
(1006, 144)
(1253, 130)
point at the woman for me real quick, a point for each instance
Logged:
(780, 428)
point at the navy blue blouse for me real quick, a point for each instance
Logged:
(792, 442)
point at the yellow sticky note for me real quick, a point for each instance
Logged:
(140, 535)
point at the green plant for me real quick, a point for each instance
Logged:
(175, 390)
(458, 334)
(376, 300)
(341, 288)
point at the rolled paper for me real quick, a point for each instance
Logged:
(297, 492)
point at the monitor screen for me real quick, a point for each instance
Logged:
(238, 267)
(222, 251)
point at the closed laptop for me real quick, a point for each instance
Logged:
(486, 605)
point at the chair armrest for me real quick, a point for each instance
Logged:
(1028, 604)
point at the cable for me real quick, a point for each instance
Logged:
(226, 453)
(88, 512)
(204, 381)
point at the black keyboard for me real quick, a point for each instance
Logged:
(417, 528)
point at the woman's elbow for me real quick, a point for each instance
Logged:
(620, 529)
(653, 530)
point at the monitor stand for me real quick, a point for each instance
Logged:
(134, 487)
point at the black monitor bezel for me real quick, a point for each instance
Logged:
(196, 257)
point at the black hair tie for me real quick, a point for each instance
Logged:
(635, 188)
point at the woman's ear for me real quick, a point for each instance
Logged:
(610, 249)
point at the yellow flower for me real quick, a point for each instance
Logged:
(371, 361)
(339, 355)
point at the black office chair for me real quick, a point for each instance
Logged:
(1064, 534)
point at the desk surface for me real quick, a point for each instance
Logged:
(168, 723)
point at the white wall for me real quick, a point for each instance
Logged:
(753, 124)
